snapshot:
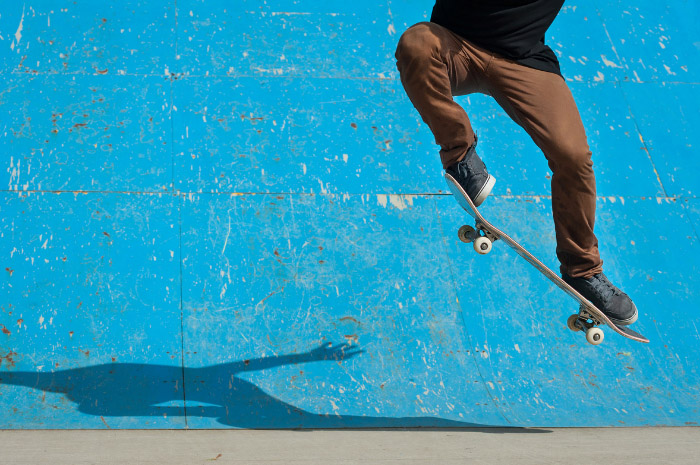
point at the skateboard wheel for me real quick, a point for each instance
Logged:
(571, 323)
(482, 245)
(595, 336)
(466, 234)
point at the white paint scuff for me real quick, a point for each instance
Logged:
(18, 34)
(398, 201)
(401, 201)
(609, 63)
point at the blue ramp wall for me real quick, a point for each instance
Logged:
(228, 214)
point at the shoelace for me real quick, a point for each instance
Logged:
(604, 287)
(470, 165)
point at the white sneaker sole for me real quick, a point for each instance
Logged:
(485, 191)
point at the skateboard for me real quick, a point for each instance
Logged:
(484, 234)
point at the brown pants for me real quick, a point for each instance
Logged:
(436, 64)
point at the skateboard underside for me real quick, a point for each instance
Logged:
(483, 234)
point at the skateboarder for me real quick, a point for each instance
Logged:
(496, 47)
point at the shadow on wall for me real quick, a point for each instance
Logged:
(132, 389)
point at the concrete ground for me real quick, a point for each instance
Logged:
(459, 446)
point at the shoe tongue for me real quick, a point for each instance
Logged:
(471, 166)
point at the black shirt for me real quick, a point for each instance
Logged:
(511, 28)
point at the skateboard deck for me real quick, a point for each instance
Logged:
(484, 234)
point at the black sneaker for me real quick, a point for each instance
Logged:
(471, 174)
(603, 294)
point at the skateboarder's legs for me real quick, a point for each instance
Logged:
(542, 104)
(432, 65)
(436, 64)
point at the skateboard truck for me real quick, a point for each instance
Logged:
(587, 322)
(482, 238)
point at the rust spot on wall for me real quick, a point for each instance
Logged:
(251, 118)
(9, 359)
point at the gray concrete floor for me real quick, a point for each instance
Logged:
(541, 446)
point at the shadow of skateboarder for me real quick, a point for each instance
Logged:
(135, 389)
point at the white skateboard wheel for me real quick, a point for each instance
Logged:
(595, 336)
(466, 234)
(482, 245)
(571, 323)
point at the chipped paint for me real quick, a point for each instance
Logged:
(18, 33)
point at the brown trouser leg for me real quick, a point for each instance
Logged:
(436, 64)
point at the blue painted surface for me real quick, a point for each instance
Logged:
(221, 214)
